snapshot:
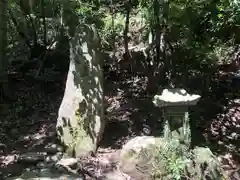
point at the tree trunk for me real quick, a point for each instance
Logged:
(80, 122)
(156, 62)
(5, 93)
(128, 9)
(27, 12)
(20, 32)
(44, 23)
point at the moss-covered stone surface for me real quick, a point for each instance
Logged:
(80, 119)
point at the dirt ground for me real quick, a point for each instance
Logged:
(29, 124)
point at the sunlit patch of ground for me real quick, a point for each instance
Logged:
(30, 125)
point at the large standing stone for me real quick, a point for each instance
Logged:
(80, 119)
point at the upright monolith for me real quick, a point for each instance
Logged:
(80, 121)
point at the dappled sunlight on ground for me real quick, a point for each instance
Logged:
(29, 125)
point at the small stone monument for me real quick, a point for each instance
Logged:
(174, 104)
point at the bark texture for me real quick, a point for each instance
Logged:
(4, 90)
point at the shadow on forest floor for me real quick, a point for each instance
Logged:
(130, 112)
(29, 123)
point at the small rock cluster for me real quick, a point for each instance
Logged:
(47, 165)
(51, 163)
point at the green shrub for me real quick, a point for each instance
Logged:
(176, 162)
(169, 162)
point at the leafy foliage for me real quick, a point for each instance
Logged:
(170, 162)
(183, 41)
(175, 161)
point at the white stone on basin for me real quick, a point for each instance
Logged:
(175, 97)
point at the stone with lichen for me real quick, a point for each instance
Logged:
(137, 155)
(204, 165)
(80, 121)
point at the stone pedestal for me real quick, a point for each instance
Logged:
(174, 105)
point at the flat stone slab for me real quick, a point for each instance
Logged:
(32, 157)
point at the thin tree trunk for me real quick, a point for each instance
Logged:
(3, 36)
(157, 29)
(3, 44)
(32, 22)
(128, 9)
(167, 62)
(21, 34)
(156, 61)
(44, 23)
(61, 21)
(127, 56)
(113, 28)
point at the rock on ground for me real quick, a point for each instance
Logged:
(137, 155)
(204, 164)
(45, 174)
